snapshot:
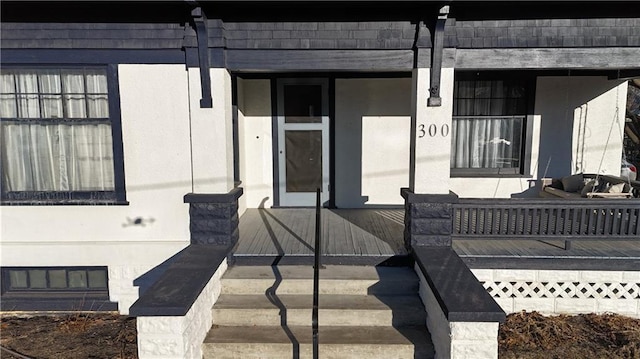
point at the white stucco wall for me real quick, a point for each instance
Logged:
(255, 143)
(574, 129)
(373, 119)
(157, 140)
(432, 133)
(211, 134)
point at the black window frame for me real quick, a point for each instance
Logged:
(528, 79)
(79, 292)
(115, 197)
(55, 299)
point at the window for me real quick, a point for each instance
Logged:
(489, 116)
(55, 289)
(62, 279)
(58, 132)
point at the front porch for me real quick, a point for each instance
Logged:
(465, 288)
(377, 234)
(277, 232)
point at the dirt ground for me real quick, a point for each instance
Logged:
(522, 336)
(93, 335)
(531, 335)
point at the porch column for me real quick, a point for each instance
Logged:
(213, 218)
(428, 218)
(428, 202)
(211, 134)
(431, 134)
(213, 203)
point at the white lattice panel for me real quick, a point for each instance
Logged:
(580, 290)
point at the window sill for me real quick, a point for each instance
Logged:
(486, 174)
(56, 302)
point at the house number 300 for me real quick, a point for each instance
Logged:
(432, 130)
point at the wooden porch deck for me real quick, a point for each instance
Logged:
(346, 232)
(599, 255)
(379, 233)
(539, 249)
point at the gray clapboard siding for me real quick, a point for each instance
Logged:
(379, 60)
(550, 58)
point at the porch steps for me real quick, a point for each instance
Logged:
(365, 312)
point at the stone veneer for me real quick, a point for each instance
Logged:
(174, 317)
(457, 340)
(214, 217)
(428, 218)
(165, 337)
(563, 291)
(121, 287)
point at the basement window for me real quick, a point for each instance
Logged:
(67, 281)
(56, 289)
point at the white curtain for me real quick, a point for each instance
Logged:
(97, 101)
(55, 156)
(480, 142)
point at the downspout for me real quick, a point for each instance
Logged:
(436, 58)
(200, 22)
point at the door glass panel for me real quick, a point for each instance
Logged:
(303, 151)
(303, 104)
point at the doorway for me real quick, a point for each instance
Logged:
(303, 140)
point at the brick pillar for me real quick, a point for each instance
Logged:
(214, 217)
(428, 218)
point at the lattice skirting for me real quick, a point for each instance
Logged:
(580, 290)
(563, 291)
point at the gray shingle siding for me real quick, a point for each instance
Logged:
(347, 35)
(91, 36)
(321, 35)
(547, 33)
(295, 26)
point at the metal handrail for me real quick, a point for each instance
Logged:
(316, 277)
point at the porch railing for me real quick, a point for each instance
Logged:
(579, 219)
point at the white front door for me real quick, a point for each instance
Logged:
(303, 141)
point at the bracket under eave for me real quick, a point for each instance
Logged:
(200, 22)
(436, 58)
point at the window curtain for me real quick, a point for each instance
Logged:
(482, 138)
(485, 143)
(53, 155)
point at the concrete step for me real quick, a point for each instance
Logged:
(340, 342)
(352, 280)
(334, 310)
